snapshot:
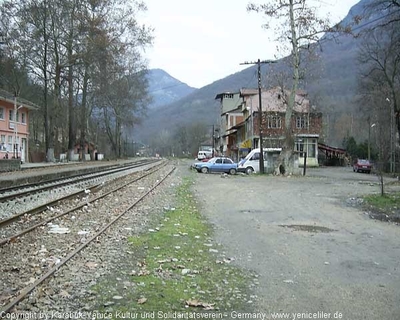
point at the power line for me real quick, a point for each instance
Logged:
(372, 21)
(360, 26)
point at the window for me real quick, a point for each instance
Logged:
(3, 142)
(300, 148)
(274, 122)
(308, 146)
(311, 150)
(228, 96)
(23, 117)
(10, 144)
(228, 161)
(218, 160)
(301, 122)
(256, 156)
(1, 113)
(11, 115)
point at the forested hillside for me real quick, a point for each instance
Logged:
(331, 82)
(165, 89)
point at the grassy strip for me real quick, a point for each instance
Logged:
(181, 269)
(386, 203)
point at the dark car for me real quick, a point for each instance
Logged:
(362, 165)
(217, 164)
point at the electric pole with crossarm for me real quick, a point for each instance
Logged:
(259, 62)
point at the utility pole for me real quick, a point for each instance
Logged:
(213, 141)
(391, 106)
(259, 62)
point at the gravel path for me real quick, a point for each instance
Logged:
(33, 254)
(349, 266)
(313, 248)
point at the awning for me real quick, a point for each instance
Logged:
(245, 144)
(331, 149)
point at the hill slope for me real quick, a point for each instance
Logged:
(332, 88)
(165, 89)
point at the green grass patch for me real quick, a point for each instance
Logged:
(386, 202)
(180, 264)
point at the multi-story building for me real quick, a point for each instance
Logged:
(14, 126)
(306, 123)
(231, 116)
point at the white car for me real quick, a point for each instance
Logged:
(201, 155)
(251, 164)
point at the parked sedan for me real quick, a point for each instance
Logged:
(217, 164)
(362, 165)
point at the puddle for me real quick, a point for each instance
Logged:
(308, 228)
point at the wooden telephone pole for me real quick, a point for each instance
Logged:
(259, 62)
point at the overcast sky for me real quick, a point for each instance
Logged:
(201, 41)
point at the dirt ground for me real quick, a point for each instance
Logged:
(309, 240)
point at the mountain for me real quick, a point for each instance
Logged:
(165, 89)
(332, 87)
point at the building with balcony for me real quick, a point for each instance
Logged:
(244, 133)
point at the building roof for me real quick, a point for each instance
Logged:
(274, 100)
(247, 91)
(220, 95)
(253, 91)
(9, 97)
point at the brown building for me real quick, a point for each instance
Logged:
(306, 124)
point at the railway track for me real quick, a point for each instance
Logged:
(27, 189)
(73, 245)
(30, 217)
(15, 201)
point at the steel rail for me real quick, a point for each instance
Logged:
(29, 289)
(27, 185)
(79, 206)
(42, 207)
(61, 182)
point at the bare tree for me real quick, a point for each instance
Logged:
(118, 67)
(163, 143)
(184, 140)
(379, 59)
(121, 107)
(71, 47)
(299, 29)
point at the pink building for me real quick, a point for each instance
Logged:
(14, 126)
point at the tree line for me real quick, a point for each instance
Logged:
(379, 80)
(83, 62)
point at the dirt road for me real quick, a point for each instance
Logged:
(313, 249)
